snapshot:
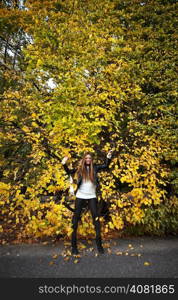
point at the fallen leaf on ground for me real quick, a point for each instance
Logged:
(146, 263)
(67, 243)
(91, 249)
(66, 258)
(76, 261)
(119, 253)
(107, 245)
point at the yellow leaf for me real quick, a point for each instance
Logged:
(146, 263)
(119, 253)
(76, 261)
(82, 246)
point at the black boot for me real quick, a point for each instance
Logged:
(99, 245)
(75, 250)
(74, 243)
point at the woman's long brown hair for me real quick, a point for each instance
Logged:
(82, 170)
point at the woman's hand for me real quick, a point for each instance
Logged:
(64, 160)
(109, 153)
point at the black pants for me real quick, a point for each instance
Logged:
(93, 206)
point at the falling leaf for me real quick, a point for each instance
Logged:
(55, 256)
(82, 246)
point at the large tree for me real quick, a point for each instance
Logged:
(91, 75)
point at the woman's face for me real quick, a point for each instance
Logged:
(88, 159)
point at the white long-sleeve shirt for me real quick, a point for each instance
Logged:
(86, 190)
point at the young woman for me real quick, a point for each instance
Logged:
(87, 189)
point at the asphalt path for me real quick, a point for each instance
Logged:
(147, 257)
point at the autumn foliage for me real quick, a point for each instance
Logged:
(88, 75)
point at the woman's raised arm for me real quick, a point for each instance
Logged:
(107, 163)
(68, 171)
